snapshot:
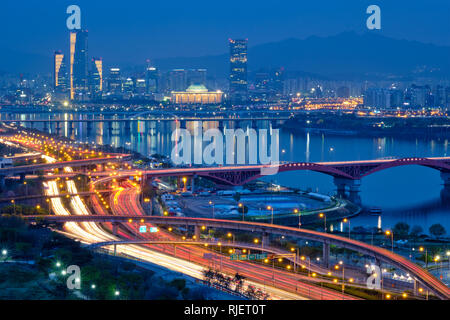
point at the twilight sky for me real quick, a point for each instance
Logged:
(132, 30)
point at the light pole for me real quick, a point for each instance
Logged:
(345, 221)
(241, 206)
(296, 211)
(422, 249)
(341, 263)
(270, 208)
(389, 233)
(212, 204)
(324, 217)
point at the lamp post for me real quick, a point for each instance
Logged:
(241, 206)
(270, 208)
(422, 249)
(345, 221)
(296, 211)
(212, 204)
(389, 233)
(324, 217)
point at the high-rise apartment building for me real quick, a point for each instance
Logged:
(59, 72)
(78, 63)
(238, 70)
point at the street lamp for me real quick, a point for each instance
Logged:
(270, 208)
(324, 217)
(296, 211)
(422, 249)
(345, 221)
(241, 206)
(212, 204)
(389, 233)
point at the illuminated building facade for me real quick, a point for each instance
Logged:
(114, 81)
(96, 77)
(238, 70)
(78, 63)
(59, 72)
(197, 94)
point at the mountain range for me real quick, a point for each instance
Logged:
(345, 55)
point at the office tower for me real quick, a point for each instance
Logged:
(96, 76)
(78, 62)
(114, 81)
(177, 80)
(151, 79)
(59, 72)
(196, 77)
(238, 70)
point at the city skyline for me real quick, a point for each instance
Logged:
(113, 35)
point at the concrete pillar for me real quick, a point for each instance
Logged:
(115, 226)
(445, 176)
(127, 126)
(197, 233)
(326, 255)
(354, 186)
(22, 177)
(221, 126)
(265, 240)
(193, 183)
(182, 124)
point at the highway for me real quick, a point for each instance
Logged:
(126, 202)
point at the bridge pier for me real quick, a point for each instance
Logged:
(342, 184)
(193, 183)
(197, 233)
(265, 240)
(2, 182)
(115, 226)
(445, 176)
(127, 126)
(326, 255)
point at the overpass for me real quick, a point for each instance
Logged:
(265, 230)
(346, 174)
(22, 170)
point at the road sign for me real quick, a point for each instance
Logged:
(143, 229)
(153, 229)
(242, 257)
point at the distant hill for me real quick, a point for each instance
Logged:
(344, 55)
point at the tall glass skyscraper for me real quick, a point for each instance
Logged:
(96, 77)
(78, 63)
(238, 70)
(59, 72)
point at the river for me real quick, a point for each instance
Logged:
(410, 194)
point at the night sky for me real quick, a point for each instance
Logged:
(131, 31)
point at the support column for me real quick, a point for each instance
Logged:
(326, 255)
(2, 182)
(445, 176)
(197, 233)
(193, 183)
(115, 226)
(354, 186)
(265, 240)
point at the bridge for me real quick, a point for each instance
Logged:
(346, 174)
(22, 170)
(265, 230)
(181, 120)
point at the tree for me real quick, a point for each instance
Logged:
(416, 231)
(437, 230)
(401, 229)
(237, 196)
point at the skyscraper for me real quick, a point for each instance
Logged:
(78, 62)
(59, 72)
(238, 70)
(151, 78)
(96, 78)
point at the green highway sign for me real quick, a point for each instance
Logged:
(242, 257)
